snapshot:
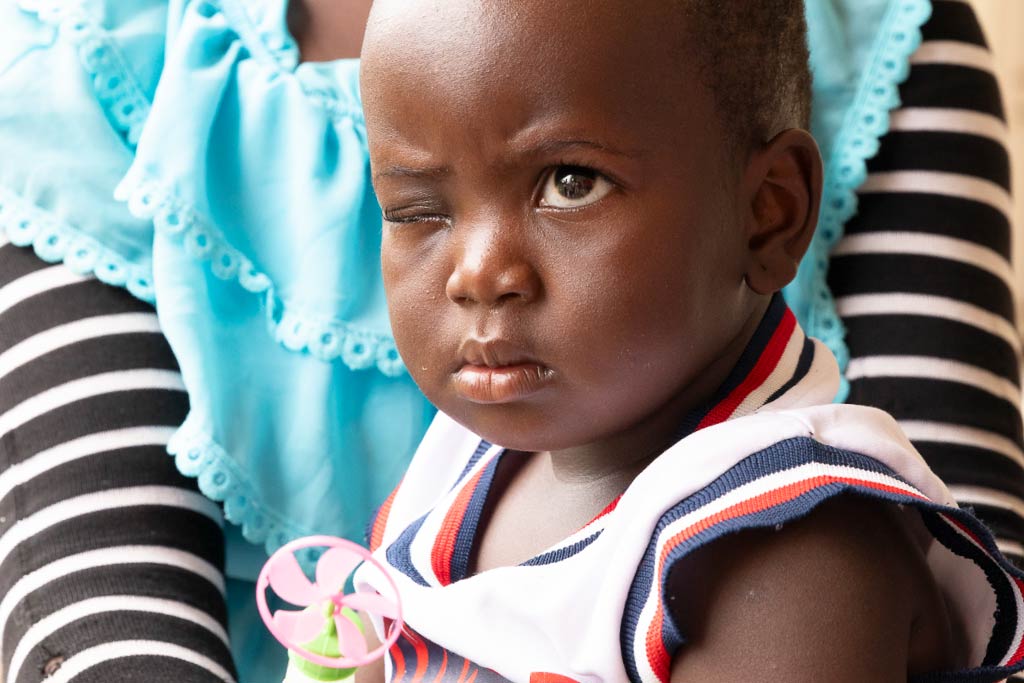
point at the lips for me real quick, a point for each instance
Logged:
(498, 371)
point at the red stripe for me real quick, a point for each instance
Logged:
(422, 657)
(397, 662)
(657, 655)
(380, 522)
(765, 366)
(1018, 654)
(611, 506)
(465, 668)
(444, 666)
(444, 544)
(966, 531)
(1018, 585)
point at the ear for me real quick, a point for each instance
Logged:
(783, 181)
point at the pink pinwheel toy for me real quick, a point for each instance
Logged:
(326, 640)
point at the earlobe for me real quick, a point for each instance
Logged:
(783, 181)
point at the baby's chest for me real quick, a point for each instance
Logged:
(526, 512)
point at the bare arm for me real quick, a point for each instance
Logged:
(842, 595)
(374, 672)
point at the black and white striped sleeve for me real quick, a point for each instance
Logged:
(923, 277)
(110, 561)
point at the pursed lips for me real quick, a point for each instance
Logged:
(497, 371)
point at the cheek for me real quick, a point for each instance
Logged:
(405, 286)
(647, 309)
(414, 279)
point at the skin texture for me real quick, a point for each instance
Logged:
(582, 335)
(328, 29)
(846, 583)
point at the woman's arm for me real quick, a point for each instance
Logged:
(110, 561)
(923, 279)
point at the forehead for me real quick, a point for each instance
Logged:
(509, 62)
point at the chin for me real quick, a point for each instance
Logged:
(521, 427)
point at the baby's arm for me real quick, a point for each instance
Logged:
(373, 672)
(842, 595)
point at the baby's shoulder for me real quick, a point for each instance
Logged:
(817, 593)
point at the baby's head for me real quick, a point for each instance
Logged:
(588, 203)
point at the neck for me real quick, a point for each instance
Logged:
(620, 457)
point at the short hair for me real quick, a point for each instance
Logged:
(754, 57)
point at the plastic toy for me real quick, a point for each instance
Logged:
(326, 640)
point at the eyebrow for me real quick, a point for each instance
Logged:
(547, 147)
(554, 146)
(413, 172)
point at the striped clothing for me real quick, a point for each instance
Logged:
(768, 449)
(110, 561)
(940, 182)
(923, 279)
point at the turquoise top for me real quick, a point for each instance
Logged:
(860, 54)
(177, 148)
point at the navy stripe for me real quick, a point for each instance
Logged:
(562, 553)
(1006, 604)
(999, 571)
(399, 553)
(778, 457)
(792, 453)
(803, 366)
(471, 520)
(774, 516)
(481, 449)
(748, 360)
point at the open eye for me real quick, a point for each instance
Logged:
(573, 187)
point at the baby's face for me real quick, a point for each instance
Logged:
(563, 245)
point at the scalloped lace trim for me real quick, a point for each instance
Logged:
(115, 86)
(196, 454)
(277, 49)
(324, 338)
(221, 479)
(858, 140)
(27, 225)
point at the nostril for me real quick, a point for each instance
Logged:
(510, 297)
(493, 279)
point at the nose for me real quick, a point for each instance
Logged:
(491, 268)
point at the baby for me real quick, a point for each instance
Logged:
(590, 208)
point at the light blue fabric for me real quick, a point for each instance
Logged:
(258, 657)
(254, 171)
(860, 53)
(244, 211)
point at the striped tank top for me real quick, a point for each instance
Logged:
(766, 450)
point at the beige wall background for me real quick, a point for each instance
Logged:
(1004, 25)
